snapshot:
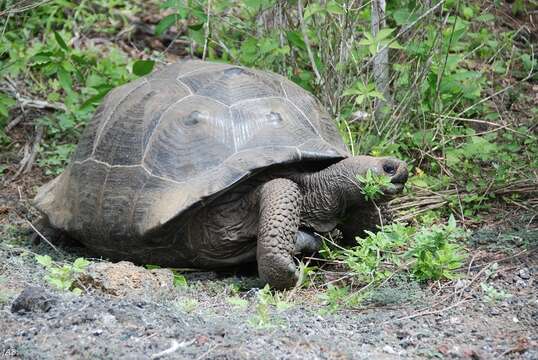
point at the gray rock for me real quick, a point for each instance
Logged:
(524, 274)
(126, 279)
(33, 299)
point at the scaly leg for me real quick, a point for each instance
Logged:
(280, 209)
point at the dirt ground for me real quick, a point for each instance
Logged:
(200, 321)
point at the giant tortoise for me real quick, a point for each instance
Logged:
(209, 165)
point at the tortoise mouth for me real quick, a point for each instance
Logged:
(394, 188)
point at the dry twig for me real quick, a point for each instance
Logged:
(29, 154)
(10, 87)
(175, 346)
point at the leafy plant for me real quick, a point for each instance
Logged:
(237, 302)
(380, 41)
(179, 280)
(306, 274)
(266, 300)
(55, 157)
(492, 295)
(63, 277)
(363, 92)
(372, 185)
(436, 253)
(430, 252)
(334, 298)
(367, 258)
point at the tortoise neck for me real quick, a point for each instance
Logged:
(326, 197)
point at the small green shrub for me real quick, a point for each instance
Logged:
(436, 253)
(492, 295)
(237, 302)
(426, 253)
(63, 277)
(368, 258)
(266, 301)
(335, 298)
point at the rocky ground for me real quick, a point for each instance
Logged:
(134, 313)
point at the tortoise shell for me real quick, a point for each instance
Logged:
(165, 142)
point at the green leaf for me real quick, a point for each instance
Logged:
(295, 38)
(152, 267)
(61, 41)
(6, 102)
(77, 291)
(267, 45)
(174, 4)
(351, 92)
(80, 264)
(417, 181)
(311, 10)
(253, 5)
(196, 27)
(468, 12)
(95, 99)
(384, 33)
(66, 122)
(238, 302)
(360, 99)
(249, 50)
(395, 45)
(486, 17)
(65, 80)
(401, 16)
(334, 8)
(165, 24)
(180, 280)
(44, 260)
(452, 222)
(143, 67)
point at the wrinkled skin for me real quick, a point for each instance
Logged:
(275, 219)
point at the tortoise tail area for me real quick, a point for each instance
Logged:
(52, 202)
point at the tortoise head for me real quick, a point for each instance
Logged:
(355, 168)
(337, 190)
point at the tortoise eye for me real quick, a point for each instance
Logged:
(389, 169)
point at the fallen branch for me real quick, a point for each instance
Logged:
(407, 207)
(13, 123)
(40, 104)
(40, 234)
(429, 312)
(23, 6)
(29, 154)
(27, 102)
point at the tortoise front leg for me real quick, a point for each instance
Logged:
(280, 209)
